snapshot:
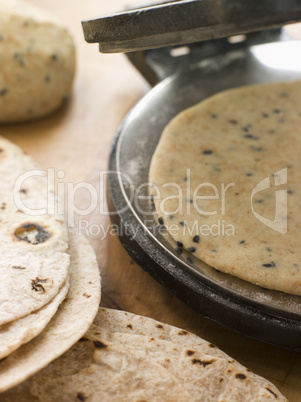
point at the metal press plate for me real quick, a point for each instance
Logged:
(187, 21)
(131, 155)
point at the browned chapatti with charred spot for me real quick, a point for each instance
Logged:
(116, 362)
(70, 322)
(34, 262)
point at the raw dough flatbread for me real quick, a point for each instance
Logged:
(37, 62)
(248, 139)
(34, 261)
(69, 324)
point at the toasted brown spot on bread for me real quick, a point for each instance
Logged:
(202, 362)
(241, 376)
(36, 285)
(99, 344)
(32, 233)
(273, 393)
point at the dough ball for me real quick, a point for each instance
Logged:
(37, 62)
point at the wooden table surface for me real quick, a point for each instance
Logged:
(77, 140)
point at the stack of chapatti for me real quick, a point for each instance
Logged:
(50, 285)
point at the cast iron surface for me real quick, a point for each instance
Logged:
(189, 21)
(270, 316)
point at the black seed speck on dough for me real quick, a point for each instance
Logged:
(80, 397)
(185, 179)
(161, 221)
(242, 242)
(290, 192)
(19, 58)
(232, 121)
(192, 249)
(54, 57)
(247, 128)
(179, 244)
(179, 251)
(189, 260)
(196, 239)
(214, 116)
(251, 137)
(47, 78)
(181, 223)
(277, 111)
(207, 152)
(269, 265)
(259, 201)
(190, 352)
(249, 174)
(3, 91)
(257, 149)
(265, 115)
(271, 131)
(268, 249)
